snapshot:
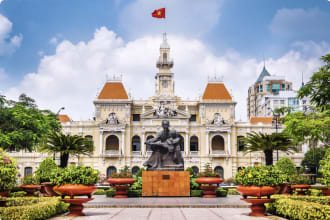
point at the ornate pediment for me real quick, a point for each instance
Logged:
(112, 123)
(218, 121)
(163, 112)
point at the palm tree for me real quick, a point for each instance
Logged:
(66, 145)
(268, 143)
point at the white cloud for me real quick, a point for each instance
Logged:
(1, 1)
(8, 44)
(53, 41)
(301, 24)
(185, 17)
(73, 74)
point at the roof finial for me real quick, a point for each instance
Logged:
(263, 54)
(302, 80)
(164, 43)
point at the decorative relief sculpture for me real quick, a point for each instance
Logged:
(217, 120)
(164, 112)
(112, 119)
(166, 154)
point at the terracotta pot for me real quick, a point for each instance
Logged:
(49, 189)
(4, 193)
(121, 185)
(75, 190)
(301, 188)
(326, 191)
(258, 206)
(212, 183)
(257, 191)
(30, 189)
(76, 207)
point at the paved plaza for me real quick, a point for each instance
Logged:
(167, 208)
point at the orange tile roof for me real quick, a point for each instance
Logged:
(261, 119)
(113, 90)
(64, 118)
(216, 91)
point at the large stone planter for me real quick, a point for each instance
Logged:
(49, 189)
(72, 190)
(30, 189)
(257, 208)
(121, 185)
(4, 193)
(285, 189)
(301, 188)
(326, 191)
(209, 185)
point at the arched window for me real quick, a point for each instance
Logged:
(111, 170)
(219, 169)
(181, 142)
(194, 143)
(240, 143)
(195, 169)
(148, 146)
(28, 171)
(112, 143)
(218, 144)
(165, 57)
(135, 169)
(136, 144)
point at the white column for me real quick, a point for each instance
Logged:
(123, 142)
(142, 144)
(101, 142)
(305, 148)
(207, 143)
(229, 146)
(187, 144)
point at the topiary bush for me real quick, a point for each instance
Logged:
(299, 179)
(32, 208)
(74, 175)
(286, 165)
(46, 167)
(99, 192)
(196, 193)
(8, 172)
(220, 192)
(110, 192)
(17, 194)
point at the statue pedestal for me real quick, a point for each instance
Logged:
(165, 183)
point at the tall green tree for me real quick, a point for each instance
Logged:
(268, 143)
(23, 125)
(312, 159)
(66, 145)
(318, 88)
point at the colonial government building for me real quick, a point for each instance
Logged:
(207, 126)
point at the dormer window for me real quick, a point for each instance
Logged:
(165, 57)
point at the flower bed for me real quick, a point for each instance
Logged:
(300, 207)
(32, 208)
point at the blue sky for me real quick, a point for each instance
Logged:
(286, 32)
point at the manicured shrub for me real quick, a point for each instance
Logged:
(325, 170)
(30, 180)
(45, 169)
(139, 173)
(322, 200)
(134, 193)
(314, 192)
(193, 184)
(220, 192)
(233, 191)
(196, 193)
(110, 192)
(17, 194)
(297, 209)
(32, 208)
(286, 165)
(208, 172)
(99, 192)
(74, 175)
(191, 172)
(299, 179)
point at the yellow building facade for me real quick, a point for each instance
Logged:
(121, 126)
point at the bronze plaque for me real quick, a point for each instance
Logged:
(166, 177)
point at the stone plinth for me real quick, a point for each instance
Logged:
(165, 183)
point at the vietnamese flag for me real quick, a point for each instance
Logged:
(159, 13)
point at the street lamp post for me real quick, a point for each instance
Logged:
(276, 123)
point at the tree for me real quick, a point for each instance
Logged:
(325, 170)
(23, 125)
(283, 110)
(312, 159)
(268, 143)
(318, 88)
(66, 145)
(308, 127)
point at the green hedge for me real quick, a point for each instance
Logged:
(135, 193)
(300, 208)
(17, 194)
(100, 192)
(323, 200)
(233, 191)
(196, 193)
(220, 192)
(110, 192)
(32, 208)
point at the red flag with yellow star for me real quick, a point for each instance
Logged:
(159, 13)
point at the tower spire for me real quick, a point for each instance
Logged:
(302, 80)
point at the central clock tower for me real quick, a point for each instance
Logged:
(164, 78)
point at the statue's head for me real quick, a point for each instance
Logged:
(165, 124)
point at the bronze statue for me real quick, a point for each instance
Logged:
(166, 154)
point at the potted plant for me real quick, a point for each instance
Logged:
(43, 174)
(121, 182)
(288, 168)
(258, 181)
(75, 181)
(209, 181)
(8, 173)
(300, 183)
(30, 184)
